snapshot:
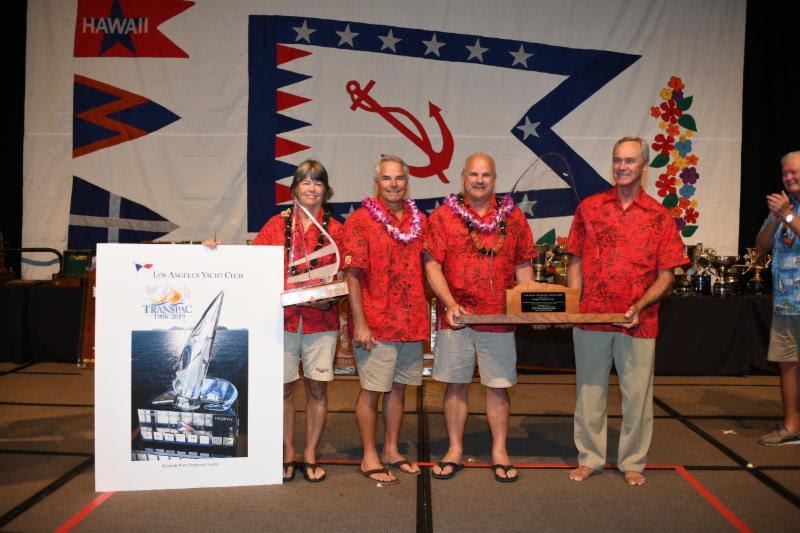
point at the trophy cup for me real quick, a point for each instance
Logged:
(702, 258)
(544, 256)
(757, 262)
(727, 283)
(562, 261)
(318, 283)
(199, 412)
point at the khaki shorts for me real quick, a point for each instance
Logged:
(316, 350)
(389, 362)
(783, 339)
(458, 349)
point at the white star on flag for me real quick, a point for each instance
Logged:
(432, 209)
(433, 46)
(529, 128)
(520, 57)
(389, 41)
(476, 51)
(346, 36)
(304, 32)
(350, 212)
(526, 205)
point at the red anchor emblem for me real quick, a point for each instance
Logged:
(439, 161)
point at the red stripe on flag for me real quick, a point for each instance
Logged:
(286, 100)
(285, 147)
(286, 54)
(282, 193)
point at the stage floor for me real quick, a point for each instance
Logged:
(706, 471)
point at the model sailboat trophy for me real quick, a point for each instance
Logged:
(314, 283)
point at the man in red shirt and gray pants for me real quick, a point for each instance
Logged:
(624, 245)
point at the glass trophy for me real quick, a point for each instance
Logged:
(320, 283)
(199, 412)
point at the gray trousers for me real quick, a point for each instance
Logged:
(634, 360)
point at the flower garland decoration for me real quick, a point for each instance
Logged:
(677, 182)
(475, 226)
(287, 216)
(373, 208)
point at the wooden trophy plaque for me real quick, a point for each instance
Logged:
(543, 303)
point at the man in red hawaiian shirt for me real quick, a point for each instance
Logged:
(383, 270)
(475, 247)
(624, 245)
(310, 330)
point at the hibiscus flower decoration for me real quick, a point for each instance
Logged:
(670, 112)
(655, 112)
(681, 162)
(676, 211)
(675, 83)
(692, 160)
(666, 94)
(689, 175)
(561, 241)
(672, 130)
(665, 185)
(687, 191)
(684, 203)
(680, 223)
(672, 170)
(663, 144)
(691, 216)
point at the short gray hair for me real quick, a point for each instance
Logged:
(645, 149)
(790, 155)
(386, 158)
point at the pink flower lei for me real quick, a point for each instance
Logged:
(456, 203)
(374, 210)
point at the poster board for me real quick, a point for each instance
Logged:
(189, 366)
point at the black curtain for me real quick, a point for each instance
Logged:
(770, 125)
(770, 108)
(11, 181)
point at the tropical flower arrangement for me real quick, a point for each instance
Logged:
(677, 182)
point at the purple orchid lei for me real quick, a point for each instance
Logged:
(456, 203)
(374, 210)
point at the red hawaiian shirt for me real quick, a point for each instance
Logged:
(622, 251)
(392, 280)
(274, 233)
(478, 282)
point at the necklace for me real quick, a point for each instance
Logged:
(287, 225)
(475, 226)
(373, 208)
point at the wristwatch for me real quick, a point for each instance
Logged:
(788, 218)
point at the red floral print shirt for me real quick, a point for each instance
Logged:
(392, 280)
(622, 251)
(478, 282)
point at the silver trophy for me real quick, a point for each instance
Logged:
(726, 269)
(320, 283)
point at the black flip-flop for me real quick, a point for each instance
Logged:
(294, 471)
(444, 464)
(369, 473)
(313, 467)
(399, 466)
(504, 468)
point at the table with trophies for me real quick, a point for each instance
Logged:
(716, 321)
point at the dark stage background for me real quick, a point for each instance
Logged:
(771, 114)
